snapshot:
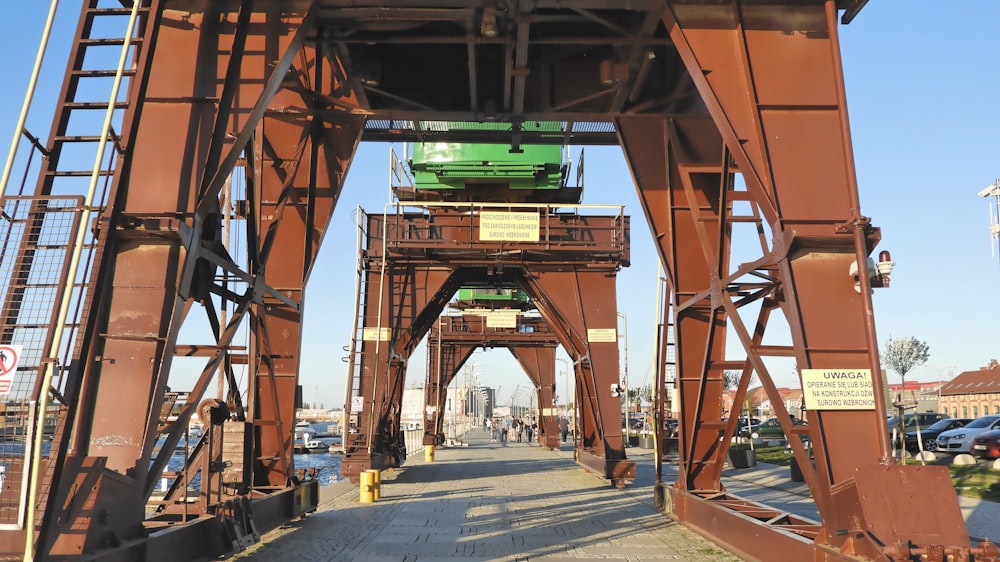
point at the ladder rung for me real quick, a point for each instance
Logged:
(100, 73)
(77, 173)
(35, 326)
(113, 11)
(93, 105)
(107, 41)
(82, 138)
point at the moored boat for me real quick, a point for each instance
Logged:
(310, 445)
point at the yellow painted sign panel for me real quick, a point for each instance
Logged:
(376, 334)
(838, 389)
(501, 319)
(509, 227)
(602, 335)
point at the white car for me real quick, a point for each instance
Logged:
(960, 440)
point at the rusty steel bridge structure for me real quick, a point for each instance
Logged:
(182, 125)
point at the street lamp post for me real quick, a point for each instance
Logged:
(515, 398)
(565, 380)
(512, 395)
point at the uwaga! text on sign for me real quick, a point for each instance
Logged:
(838, 389)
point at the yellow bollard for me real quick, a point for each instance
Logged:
(377, 476)
(429, 453)
(367, 487)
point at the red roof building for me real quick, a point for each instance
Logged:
(759, 403)
(973, 394)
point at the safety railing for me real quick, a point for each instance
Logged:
(475, 322)
(446, 226)
(35, 238)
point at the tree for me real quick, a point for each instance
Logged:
(639, 395)
(730, 379)
(903, 354)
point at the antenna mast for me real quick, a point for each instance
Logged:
(993, 191)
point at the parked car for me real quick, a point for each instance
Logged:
(671, 427)
(987, 445)
(744, 421)
(910, 421)
(960, 440)
(929, 435)
(636, 422)
(769, 429)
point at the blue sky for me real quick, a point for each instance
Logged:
(924, 100)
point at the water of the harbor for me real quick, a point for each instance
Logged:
(326, 464)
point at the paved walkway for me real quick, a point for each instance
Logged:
(489, 501)
(520, 502)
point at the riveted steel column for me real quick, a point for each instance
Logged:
(444, 359)
(581, 307)
(540, 365)
(770, 79)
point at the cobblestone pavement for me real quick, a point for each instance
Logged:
(489, 501)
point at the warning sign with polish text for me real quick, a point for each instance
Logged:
(838, 389)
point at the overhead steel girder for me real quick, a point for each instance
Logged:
(773, 89)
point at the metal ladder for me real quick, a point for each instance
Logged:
(92, 63)
(39, 233)
(353, 431)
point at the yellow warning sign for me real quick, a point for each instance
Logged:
(504, 318)
(510, 227)
(376, 334)
(602, 335)
(838, 389)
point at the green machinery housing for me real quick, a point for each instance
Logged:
(454, 166)
(489, 173)
(492, 173)
(493, 298)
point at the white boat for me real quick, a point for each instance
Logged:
(304, 431)
(310, 445)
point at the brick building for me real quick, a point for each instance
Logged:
(973, 393)
(759, 404)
